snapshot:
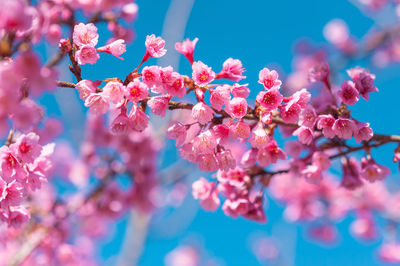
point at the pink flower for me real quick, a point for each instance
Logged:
(364, 228)
(15, 15)
(151, 76)
(208, 163)
(202, 113)
(351, 174)
(205, 142)
(86, 87)
(116, 48)
(139, 120)
(326, 122)
(372, 171)
(137, 91)
(85, 35)
(207, 193)
(348, 93)
(221, 133)
(17, 215)
(114, 91)
(187, 48)
(238, 90)
(363, 132)
(321, 160)
(226, 160)
(290, 113)
(275, 152)
(121, 124)
(10, 167)
(86, 55)
(97, 103)
(363, 80)
(159, 104)
(263, 157)
(155, 46)
(176, 87)
(220, 96)
(11, 194)
(319, 72)
(249, 158)
(301, 97)
(232, 69)
(270, 100)
(308, 117)
(27, 147)
(237, 107)
(344, 128)
(240, 130)
(259, 137)
(293, 148)
(312, 174)
(269, 79)
(390, 252)
(336, 32)
(177, 131)
(202, 74)
(236, 207)
(305, 135)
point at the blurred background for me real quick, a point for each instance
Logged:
(259, 33)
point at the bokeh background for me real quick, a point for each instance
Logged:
(259, 33)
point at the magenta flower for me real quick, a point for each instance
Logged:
(305, 135)
(348, 93)
(372, 171)
(202, 74)
(240, 130)
(205, 142)
(208, 163)
(116, 48)
(220, 96)
(363, 132)
(86, 55)
(232, 69)
(269, 79)
(27, 147)
(308, 117)
(290, 113)
(202, 113)
(97, 103)
(237, 107)
(10, 166)
(187, 48)
(226, 160)
(344, 128)
(319, 72)
(176, 86)
(363, 80)
(120, 125)
(238, 90)
(312, 174)
(86, 87)
(85, 35)
(177, 131)
(114, 91)
(270, 100)
(136, 91)
(351, 174)
(139, 120)
(326, 122)
(159, 104)
(155, 46)
(321, 160)
(259, 137)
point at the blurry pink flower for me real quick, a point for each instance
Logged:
(319, 72)
(336, 32)
(187, 48)
(116, 48)
(321, 160)
(312, 174)
(363, 80)
(390, 252)
(208, 163)
(232, 69)
(205, 142)
(85, 35)
(159, 104)
(348, 93)
(235, 207)
(372, 171)
(269, 79)
(326, 122)
(177, 131)
(226, 160)
(97, 103)
(139, 120)
(86, 55)
(17, 215)
(120, 125)
(86, 87)
(238, 90)
(305, 135)
(202, 74)
(351, 174)
(344, 128)
(240, 130)
(308, 117)
(363, 132)
(202, 113)
(155, 46)
(27, 147)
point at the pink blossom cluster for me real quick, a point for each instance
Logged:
(25, 165)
